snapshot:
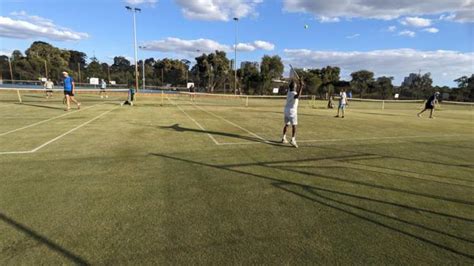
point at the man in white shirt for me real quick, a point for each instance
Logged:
(48, 86)
(342, 103)
(103, 86)
(291, 111)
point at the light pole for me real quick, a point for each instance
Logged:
(135, 11)
(143, 68)
(235, 55)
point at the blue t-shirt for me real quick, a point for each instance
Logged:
(68, 83)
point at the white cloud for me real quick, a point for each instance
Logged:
(397, 63)
(194, 47)
(407, 33)
(140, 2)
(383, 9)
(264, 45)
(416, 22)
(245, 47)
(324, 19)
(431, 30)
(392, 28)
(188, 47)
(353, 36)
(25, 26)
(222, 10)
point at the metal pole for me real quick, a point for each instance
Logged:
(11, 69)
(235, 56)
(135, 47)
(108, 72)
(143, 66)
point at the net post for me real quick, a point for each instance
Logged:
(247, 101)
(162, 97)
(19, 96)
(383, 105)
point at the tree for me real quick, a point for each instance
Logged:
(94, 69)
(212, 71)
(250, 76)
(271, 68)
(329, 76)
(465, 89)
(417, 86)
(361, 80)
(384, 86)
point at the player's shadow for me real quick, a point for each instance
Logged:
(178, 128)
(387, 220)
(41, 106)
(74, 258)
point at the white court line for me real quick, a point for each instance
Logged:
(192, 119)
(58, 137)
(234, 124)
(352, 139)
(44, 121)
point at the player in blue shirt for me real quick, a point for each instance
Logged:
(69, 90)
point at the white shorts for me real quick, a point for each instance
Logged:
(291, 119)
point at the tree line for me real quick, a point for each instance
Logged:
(213, 73)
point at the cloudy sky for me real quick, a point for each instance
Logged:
(388, 37)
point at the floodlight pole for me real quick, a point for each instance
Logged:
(135, 11)
(143, 68)
(235, 55)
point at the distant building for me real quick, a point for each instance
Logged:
(255, 64)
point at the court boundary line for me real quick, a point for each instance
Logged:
(350, 139)
(235, 125)
(60, 136)
(192, 119)
(45, 121)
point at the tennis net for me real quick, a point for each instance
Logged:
(40, 96)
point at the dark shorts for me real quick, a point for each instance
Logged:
(69, 93)
(102, 89)
(429, 106)
(49, 90)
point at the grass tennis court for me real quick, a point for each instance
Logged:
(170, 181)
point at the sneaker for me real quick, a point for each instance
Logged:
(284, 141)
(418, 115)
(102, 97)
(294, 144)
(106, 96)
(78, 106)
(342, 117)
(336, 116)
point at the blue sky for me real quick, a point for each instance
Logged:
(389, 39)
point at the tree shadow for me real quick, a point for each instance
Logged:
(411, 159)
(349, 207)
(43, 240)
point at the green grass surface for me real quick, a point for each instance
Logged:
(148, 185)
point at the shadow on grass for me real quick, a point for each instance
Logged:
(42, 106)
(43, 240)
(349, 207)
(412, 159)
(178, 128)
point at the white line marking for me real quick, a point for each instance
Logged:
(60, 136)
(44, 121)
(351, 139)
(192, 119)
(234, 124)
